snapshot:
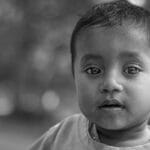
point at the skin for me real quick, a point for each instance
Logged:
(114, 63)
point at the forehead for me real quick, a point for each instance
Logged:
(114, 40)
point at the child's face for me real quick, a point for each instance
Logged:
(112, 76)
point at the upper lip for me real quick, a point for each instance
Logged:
(112, 103)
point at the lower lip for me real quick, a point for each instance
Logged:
(111, 108)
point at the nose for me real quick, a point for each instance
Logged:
(111, 84)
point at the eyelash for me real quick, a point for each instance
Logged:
(129, 70)
(94, 70)
(134, 69)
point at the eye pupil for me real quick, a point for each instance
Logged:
(132, 70)
(93, 71)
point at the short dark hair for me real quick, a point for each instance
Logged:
(108, 14)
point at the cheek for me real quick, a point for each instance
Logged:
(139, 96)
(86, 92)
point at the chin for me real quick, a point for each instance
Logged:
(111, 125)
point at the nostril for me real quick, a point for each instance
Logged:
(110, 86)
(104, 91)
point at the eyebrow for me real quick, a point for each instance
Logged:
(97, 57)
(128, 54)
(88, 57)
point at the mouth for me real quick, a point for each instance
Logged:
(111, 104)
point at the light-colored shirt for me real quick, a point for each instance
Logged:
(72, 134)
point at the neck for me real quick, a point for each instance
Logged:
(133, 136)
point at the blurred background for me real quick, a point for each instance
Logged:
(36, 84)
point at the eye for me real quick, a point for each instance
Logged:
(94, 71)
(132, 69)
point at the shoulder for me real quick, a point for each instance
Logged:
(64, 131)
(67, 124)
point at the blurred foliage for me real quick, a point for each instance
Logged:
(34, 55)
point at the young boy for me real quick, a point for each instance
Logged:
(110, 50)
